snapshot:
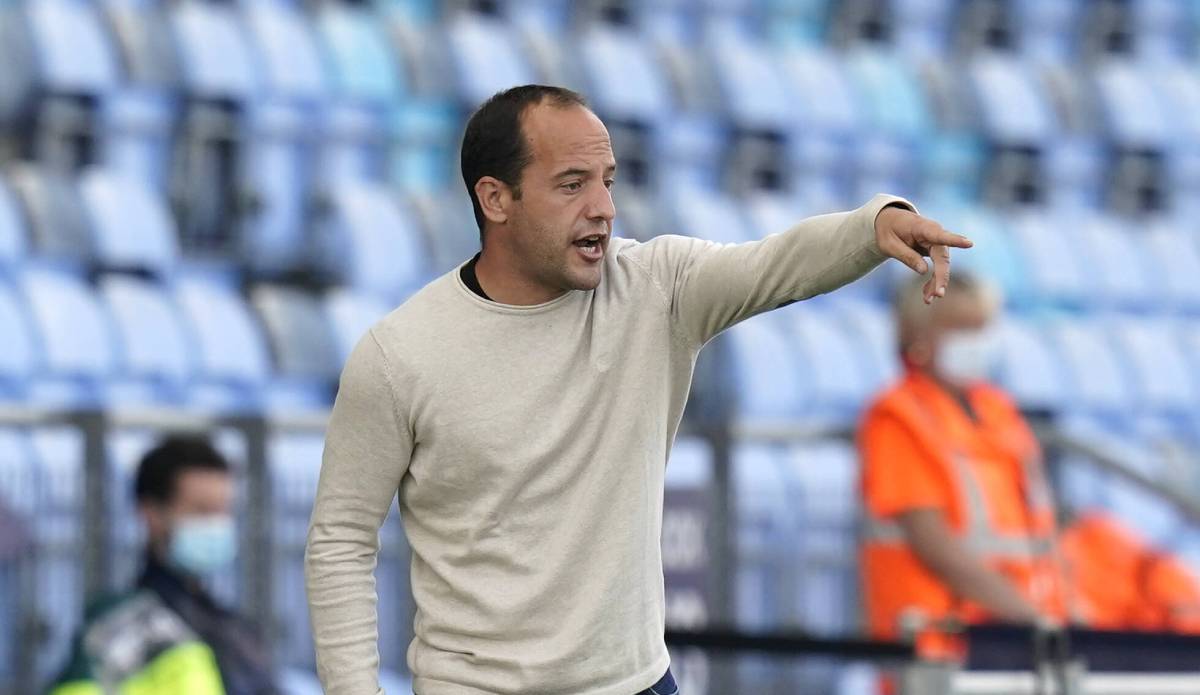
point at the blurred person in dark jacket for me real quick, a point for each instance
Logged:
(168, 636)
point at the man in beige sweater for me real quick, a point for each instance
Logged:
(524, 405)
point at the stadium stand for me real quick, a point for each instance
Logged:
(203, 206)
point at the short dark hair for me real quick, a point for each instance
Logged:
(161, 467)
(494, 144)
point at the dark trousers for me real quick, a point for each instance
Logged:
(664, 686)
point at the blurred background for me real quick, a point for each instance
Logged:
(204, 204)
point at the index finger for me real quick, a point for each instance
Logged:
(936, 236)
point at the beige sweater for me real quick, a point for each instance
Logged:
(528, 446)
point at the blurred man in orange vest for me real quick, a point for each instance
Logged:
(959, 522)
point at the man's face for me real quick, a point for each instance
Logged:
(560, 228)
(963, 346)
(199, 493)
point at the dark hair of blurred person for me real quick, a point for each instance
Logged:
(167, 634)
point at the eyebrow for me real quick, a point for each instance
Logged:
(575, 171)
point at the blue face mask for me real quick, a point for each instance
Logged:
(203, 545)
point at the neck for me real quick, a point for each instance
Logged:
(500, 275)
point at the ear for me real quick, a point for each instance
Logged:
(155, 518)
(495, 197)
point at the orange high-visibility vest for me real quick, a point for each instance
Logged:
(920, 449)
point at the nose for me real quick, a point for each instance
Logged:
(600, 206)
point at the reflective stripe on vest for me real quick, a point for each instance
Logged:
(978, 535)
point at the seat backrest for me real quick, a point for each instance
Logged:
(770, 385)
(229, 345)
(817, 70)
(18, 350)
(74, 48)
(216, 57)
(1100, 380)
(147, 322)
(12, 229)
(755, 92)
(1131, 107)
(707, 214)
(891, 92)
(57, 221)
(1031, 368)
(372, 242)
(836, 365)
(287, 50)
(1118, 260)
(1155, 355)
(486, 56)
(1015, 111)
(131, 226)
(76, 336)
(350, 315)
(363, 64)
(300, 335)
(625, 79)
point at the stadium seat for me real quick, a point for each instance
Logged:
(157, 350)
(350, 316)
(136, 128)
(370, 243)
(19, 352)
(1047, 28)
(75, 53)
(448, 226)
(1162, 29)
(707, 214)
(58, 225)
(286, 47)
(486, 57)
(216, 57)
(624, 77)
(131, 226)
(363, 64)
(770, 387)
(891, 93)
(1052, 263)
(1117, 260)
(1149, 515)
(77, 345)
(12, 229)
(1131, 109)
(425, 136)
(231, 356)
(870, 325)
(275, 172)
(1013, 108)
(124, 450)
(1100, 383)
(299, 332)
(142, 32)
(1031, 368)
(763, 533)
(57, 529)
(754, 93)
(836, 383)
(18, 496)
(994, 256)
(1161, 373)
(295, 464)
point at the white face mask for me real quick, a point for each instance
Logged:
(203, 545)
(967, 357)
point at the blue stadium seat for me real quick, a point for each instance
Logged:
(1075, 171)
(299, 333)
(1014, 110)
(363, 64)
(1179, 87)
(295, 464)
(231, 355)
(425, 143)
(275, 174)
(994, 256)
(891, 93)
(131, 226)
(350, 315)
(1100, 381)
(872, 326)
(837, 383)
(19, 351)
(763, 533)
(58, 225)
(625, 80)
(295, 681)
(1162, 29)
(1161, 373)
(351, 147)
(687, 149)
(1117, 259)
(802, 22)
(124, 450)
(449, 226)
(818, 70)
(371, 243)
(770, 385)
(1052, 263)
(486, 57)
(156, 347)
(58, 533)
(1048, 28)
(707, 214)
(921, 27)
(77, 345)
(286, 47)
(823, 488)
(754, 93)
(12, 229)
(75, 53)
(217, 60)
(1130, 107)
(136, 127)
(1146, 513)
(1031, 367)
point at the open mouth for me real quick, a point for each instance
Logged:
(591, 247)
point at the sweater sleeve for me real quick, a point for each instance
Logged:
(711, 287)
(367, 450)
